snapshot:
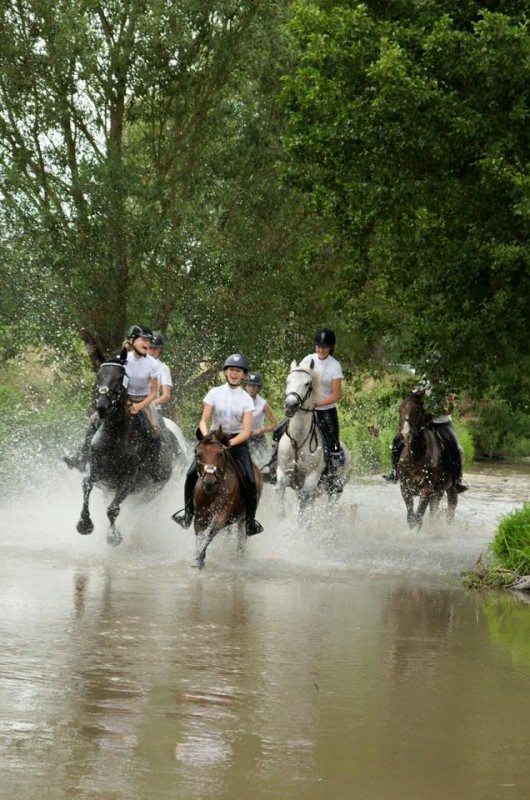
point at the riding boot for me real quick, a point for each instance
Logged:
(268, 470)
(397, 447)
(184, 517)
(159, 474)
(333, 480)
(456, 474)
(252, 525)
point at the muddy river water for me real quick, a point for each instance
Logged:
(344, 661)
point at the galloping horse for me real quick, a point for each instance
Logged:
(422, 469)
(301, 455)
(218, 497)
(121, 455)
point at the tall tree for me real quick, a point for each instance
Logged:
(408, 129)
(136, 144)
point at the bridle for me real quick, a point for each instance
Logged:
(115, 394)
(301, 400)
(420, 426)
(212, 469)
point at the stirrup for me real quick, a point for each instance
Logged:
(460, 487)
(183, 517)
(391, 477)
(253, 527)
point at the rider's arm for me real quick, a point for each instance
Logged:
(136, 407)
(245, 433)
(206, 414)
(269, 413)
(334, 397)
(164, 396)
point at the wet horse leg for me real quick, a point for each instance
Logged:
(203, 539)
(85, 524)
(114, 537)
(452, 500)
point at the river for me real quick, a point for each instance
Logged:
(339, 661)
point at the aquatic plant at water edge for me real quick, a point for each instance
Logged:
(511, 544)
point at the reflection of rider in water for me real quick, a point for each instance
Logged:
(439, 401)
(253, 384)
(142, 371)
(230, 408)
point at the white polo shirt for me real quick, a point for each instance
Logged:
(328, 369)
(229, 405)
(258, 415)
(140, 371)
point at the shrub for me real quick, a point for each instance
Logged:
(511, 544)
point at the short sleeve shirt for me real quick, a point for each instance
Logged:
(140, 371)
(165, 375)
(258, 415)
(229, 406)
(328, 369)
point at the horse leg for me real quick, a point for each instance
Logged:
(241, 537)
(114, 537)
(434, 504)
(281, 485)
(408, 498)
(452, 501)
(203, 539)
(85, 524)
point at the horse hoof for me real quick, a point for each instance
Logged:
(197, 563)
(114, 538)
(85, 527)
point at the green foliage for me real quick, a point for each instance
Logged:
(511, 544)
(498, 431)
(408, 132)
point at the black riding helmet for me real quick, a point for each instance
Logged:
(236, 360)
(325, 337)
(158, 339)
(139, 331)
(253, 379)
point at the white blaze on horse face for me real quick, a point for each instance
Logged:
(405, 430)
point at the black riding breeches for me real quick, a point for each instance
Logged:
(447, 434)
(280, 430)
(328, 421)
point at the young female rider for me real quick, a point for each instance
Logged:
(230, 408)
(165, 382)
(330, 372)
(142, 371)
(253, 383)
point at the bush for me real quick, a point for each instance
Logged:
(511, 544)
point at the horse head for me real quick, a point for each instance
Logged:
(299, 386)
(412, 418)
(111, 386)
(211, 456)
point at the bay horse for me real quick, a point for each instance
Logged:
(301, 453)
(218, 496)
(121, 456)
(422, 469)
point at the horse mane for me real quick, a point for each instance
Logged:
(214, 437)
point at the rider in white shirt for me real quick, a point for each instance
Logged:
(230, 408)
(142, 371)
(253, 384)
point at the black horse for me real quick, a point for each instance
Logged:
(123, 457)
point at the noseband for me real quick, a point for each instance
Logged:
(301, 400)
(212, 469)
(115, 395)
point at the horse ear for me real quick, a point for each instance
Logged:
(312, 364)
(293, 364)
(219, 433)
(121, 358)
(199, 434)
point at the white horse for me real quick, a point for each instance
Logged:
(301, 458)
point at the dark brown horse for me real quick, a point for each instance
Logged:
(218, 496)
(422, 469)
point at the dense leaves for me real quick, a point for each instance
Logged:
(409, 129)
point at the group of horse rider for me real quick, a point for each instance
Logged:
(149, 388)
(241, 414)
